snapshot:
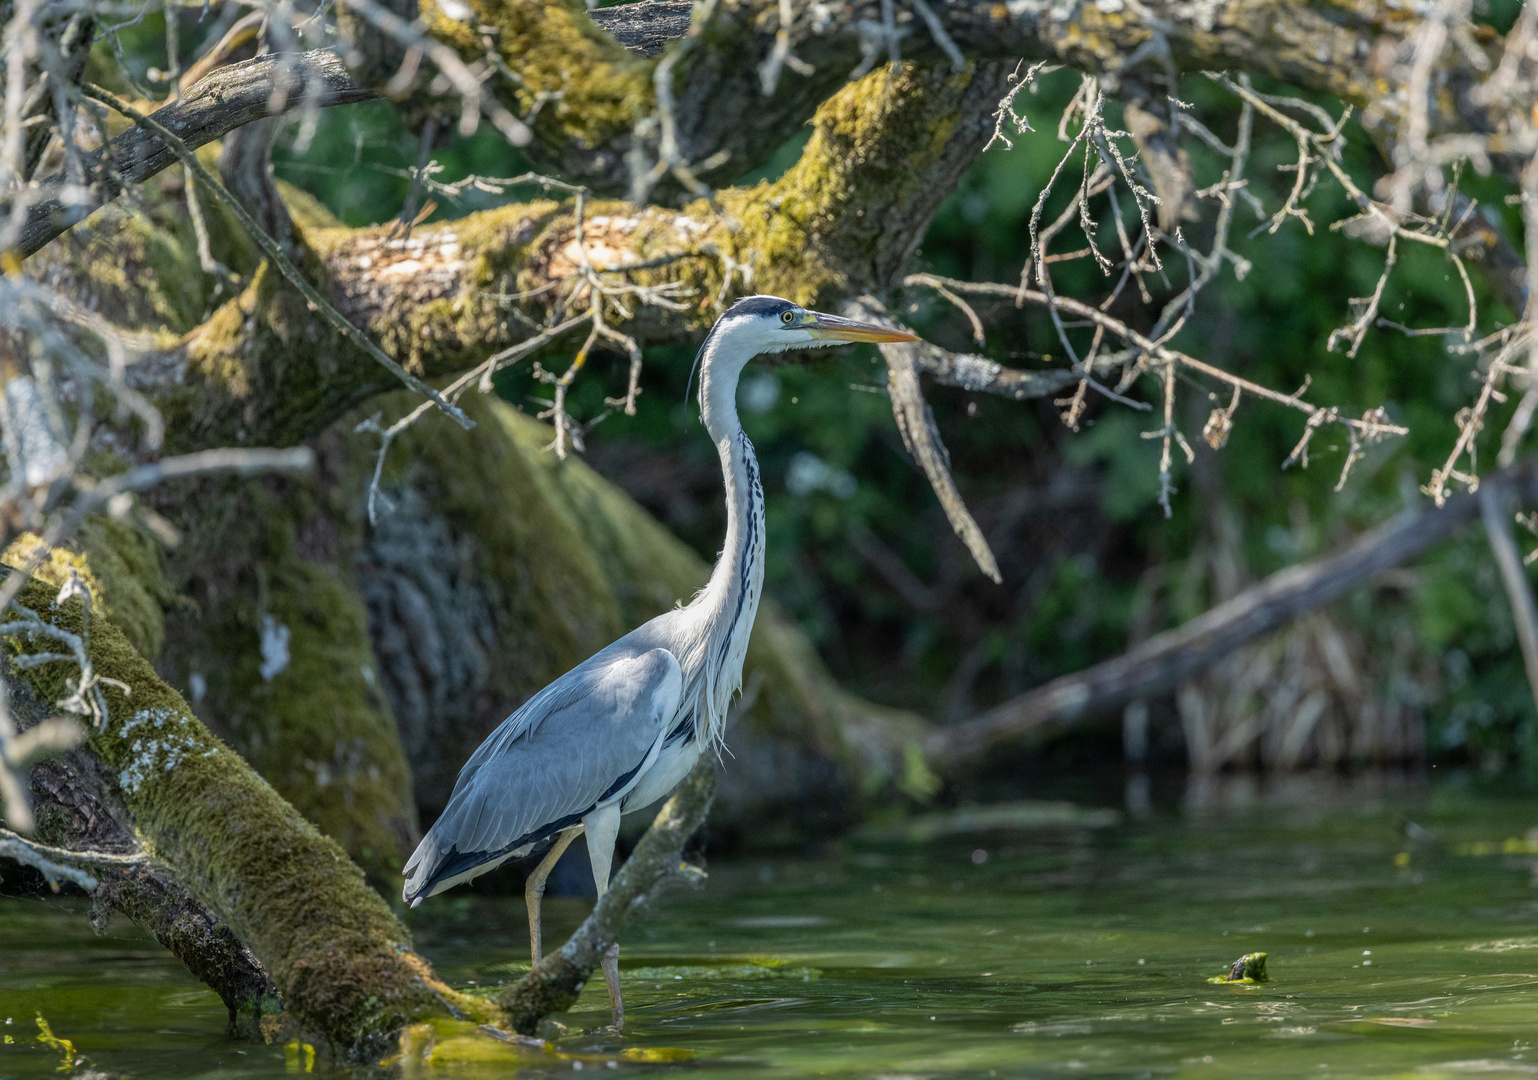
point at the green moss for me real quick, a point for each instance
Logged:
(338, 955)
(119, 566)
(642, 566)
(263, 366)
(602, 87)
(307, 211)
(316, 726)
(1248, 970)
(129, 566)
(137, 265)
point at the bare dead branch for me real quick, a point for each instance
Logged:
(1494, 508)
(916, 423)
(227, 98)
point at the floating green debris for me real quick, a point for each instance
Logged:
(1512, 845)
(1247, 970)
(299, 1057)
(65, 1048)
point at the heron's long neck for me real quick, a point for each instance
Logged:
(731, 598)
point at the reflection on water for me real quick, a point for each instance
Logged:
(1400, 919)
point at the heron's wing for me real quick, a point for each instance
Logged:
(581, 742)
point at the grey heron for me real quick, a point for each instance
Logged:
(621, 729)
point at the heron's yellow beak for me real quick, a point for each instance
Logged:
(833, 328)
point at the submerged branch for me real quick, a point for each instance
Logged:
(656, 863)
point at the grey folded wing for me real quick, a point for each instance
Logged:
(575, 746)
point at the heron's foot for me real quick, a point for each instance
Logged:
(610, 966)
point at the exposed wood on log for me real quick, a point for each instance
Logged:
(647, 27)
(82, 814)
(1169, 659)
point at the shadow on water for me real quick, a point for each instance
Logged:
(1034, 940)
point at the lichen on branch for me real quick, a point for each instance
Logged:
(336, 953)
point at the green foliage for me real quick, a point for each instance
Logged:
(1129, 463)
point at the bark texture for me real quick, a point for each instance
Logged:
(1330, 48)
(82, 814)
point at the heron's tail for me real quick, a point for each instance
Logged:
(419, 871)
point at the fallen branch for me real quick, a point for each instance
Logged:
(1169, 659)
(92, 845)
(228, 98)
(1493, 506)
(554, 983)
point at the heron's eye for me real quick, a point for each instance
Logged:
(787, 316)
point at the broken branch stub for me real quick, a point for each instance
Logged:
(916, 424)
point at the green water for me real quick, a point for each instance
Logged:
(1064, 951)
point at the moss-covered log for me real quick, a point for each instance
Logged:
(271, 639)
(723, 114)
(263, 368)
(336, 953)
(81, 812)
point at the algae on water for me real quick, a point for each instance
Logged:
(1247, 970)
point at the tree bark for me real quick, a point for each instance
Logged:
(724, 116)
(81, 813)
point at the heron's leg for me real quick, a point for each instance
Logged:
(602, 828)
(534, 888)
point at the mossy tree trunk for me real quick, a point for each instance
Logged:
(333, 948)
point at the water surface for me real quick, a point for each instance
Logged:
(1401, 927)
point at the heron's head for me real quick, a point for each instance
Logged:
(764, 324)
